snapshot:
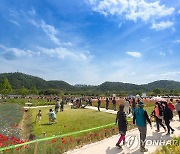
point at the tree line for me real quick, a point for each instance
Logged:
(6, 89)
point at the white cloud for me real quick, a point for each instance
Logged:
(134, 54)
(63, 53)
(50, 30)
(13, 13)
(68, 44)
(179, 11)
(120, 25)
(167, 75)
(145, 39)
(32, 12)
(59, 52)
(171, 52)
(14, 22)
(16, 52)
(162, 25)
(162, 53)
(176, 41)
(131, 9)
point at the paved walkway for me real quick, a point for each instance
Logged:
(101, 109)
(107, 146)
(104, 110)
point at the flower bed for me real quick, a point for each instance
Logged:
(10, 117)
(63, 144)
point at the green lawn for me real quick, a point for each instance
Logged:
(70, 120)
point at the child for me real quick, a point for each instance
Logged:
(122, 125)
(39, 115)
(52, 116)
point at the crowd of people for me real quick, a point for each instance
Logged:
(129, 104)
(162, 113)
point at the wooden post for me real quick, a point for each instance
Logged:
(35, 147)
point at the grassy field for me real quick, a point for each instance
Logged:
(70, 120)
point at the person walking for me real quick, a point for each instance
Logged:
(170, 105)
(107, 103)
(178, 108)
(140, 117)
(57, 105)
(168, 115)
(90, 101)
(122, 125)
(99, 104)
(62, 106)
(114, 103)
(133, 106)
(126, 106)
(158, 115)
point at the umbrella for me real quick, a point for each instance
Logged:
(158, 99)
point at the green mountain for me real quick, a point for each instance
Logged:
(18, 80)
(162, 84)
(117, 86)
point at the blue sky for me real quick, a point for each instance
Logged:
(91, 41)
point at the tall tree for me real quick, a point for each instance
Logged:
(157, 91)
(5, 87)
(34, 90)
(23, 91)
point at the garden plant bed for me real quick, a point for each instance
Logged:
(71, 120)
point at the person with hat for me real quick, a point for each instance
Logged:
(140, 117)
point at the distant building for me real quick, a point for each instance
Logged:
(82, 85)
